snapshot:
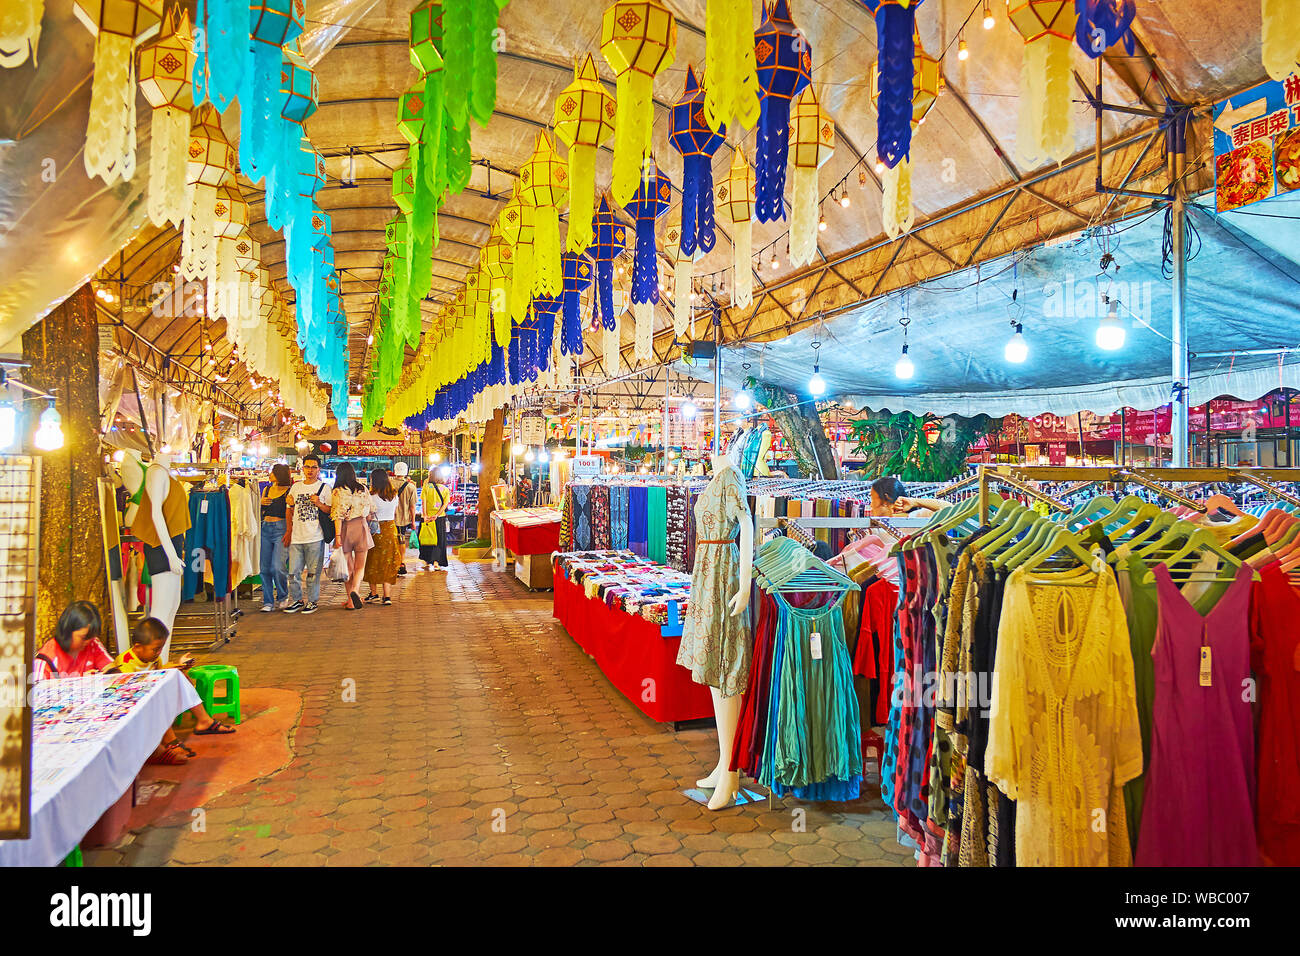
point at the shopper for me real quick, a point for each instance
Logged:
(350, 512)
(275, 553)
(75, 649)
(382, 560)
(308, 510)
(434, 498)
(888, 499)
(147, 640)
(407, 493)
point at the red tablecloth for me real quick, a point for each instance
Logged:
(531, 539)
(632, 653)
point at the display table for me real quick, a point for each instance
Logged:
(534, 530)
(633, 653)
(90, 737)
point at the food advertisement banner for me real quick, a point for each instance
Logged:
(1257, 144)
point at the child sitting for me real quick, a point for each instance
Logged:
(147, 640)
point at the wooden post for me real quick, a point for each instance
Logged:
(63, 349)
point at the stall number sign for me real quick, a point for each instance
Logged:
(587, 466)
(1257, 143)
(532, 430)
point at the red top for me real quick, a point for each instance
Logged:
(91, 657)
(1275, 656)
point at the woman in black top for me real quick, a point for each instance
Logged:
(274, 564)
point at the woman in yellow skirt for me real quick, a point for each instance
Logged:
(383, 558)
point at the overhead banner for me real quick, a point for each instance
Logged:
(1257, 144)
(374, 448)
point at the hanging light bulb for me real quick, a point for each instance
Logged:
(529, 456)
(844, 197)
(963, 52)
(821, 223)
(880, 167)
(688, 410)
(1017, 350)
(904, 368)
(49, 434)
(816, 384)
(1110, 334)
(776, 263)
(742, 401)
(988, 16)
(862, 179)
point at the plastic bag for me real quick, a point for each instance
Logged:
(338, 565)
(414, 540)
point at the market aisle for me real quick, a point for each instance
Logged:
(480, 734)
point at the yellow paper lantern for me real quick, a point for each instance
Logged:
(584, 119)
(736, 200)
(165, 66)
(1045, 78)
(812, 141)
(639, 40)
(544, 182)
(516, 222)
(497, 260)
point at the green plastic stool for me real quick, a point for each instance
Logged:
(206, 677)
(74, 858)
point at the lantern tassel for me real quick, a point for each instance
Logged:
(894, 40)
(521, 289)
(698, 228)
(773, 149)
(1044, 129)
(197, 236)
(803, 220)
(497, 300)
(643, 344)
(682, 271)
(582, 192)
(896, 209)
(605, 291)
(548, 279)
(742, 280)
(611, 357)
(109, 149)
(632, 128)
(731, 96)
(169, 133)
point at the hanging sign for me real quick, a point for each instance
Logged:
(587, 466)
(1257, 143)
(532, 430)
(375, 447)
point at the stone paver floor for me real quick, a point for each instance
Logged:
(462, 726)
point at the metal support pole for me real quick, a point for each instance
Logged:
(665, 434)
(1178, 214)
(1123, 423)
(717, 383)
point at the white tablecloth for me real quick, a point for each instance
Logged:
(90, 737)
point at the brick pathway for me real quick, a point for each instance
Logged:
(480, 734)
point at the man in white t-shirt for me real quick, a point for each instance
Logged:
(309, 498)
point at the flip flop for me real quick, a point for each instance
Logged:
(217, 729)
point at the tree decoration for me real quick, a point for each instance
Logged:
(736, 196)
(1103, 23)
(897, 214)
(896, 46)
(1048, 28)
(20, 31)
(584, 119)
(610, 240)
(516, 222)
(578, 274)
(812, 138)
(638, 39)
(1280, 37)
(119, 26)
(784, 60)
(545, 184)
(651, 202)
(165, 66)
(692, 137)
(211, 157)
(731, 97)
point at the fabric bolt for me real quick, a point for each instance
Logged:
(1275, 653)
(675, 547)
(638, 507)
(618, 516)
(1063, 732)
(582, 517)
(207, 539)
(599, 510)
(657, 524)
(715, 642)
(1199, 802)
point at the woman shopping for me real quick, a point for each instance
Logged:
(275, 553)
(351, 508)
(434, 498)
(383, 559)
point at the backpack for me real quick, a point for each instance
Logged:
(326, 522)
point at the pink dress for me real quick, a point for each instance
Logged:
(1199, 807)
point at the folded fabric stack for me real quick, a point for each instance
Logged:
(627, 582)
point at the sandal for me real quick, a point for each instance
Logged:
(216, 729)
(171, 756)
(188, 751)
(355, 598)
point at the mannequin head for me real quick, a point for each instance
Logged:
(78, 624)
(730, 457)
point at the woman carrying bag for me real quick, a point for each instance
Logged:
(350, 511)
(434, 498)
(383, 558)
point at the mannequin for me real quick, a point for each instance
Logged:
(154, 484)
(113, 545)
(726, 707)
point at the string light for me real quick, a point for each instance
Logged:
(776, 263)
(963, 52)
(821, 223)
(988, 16)
(844, 197)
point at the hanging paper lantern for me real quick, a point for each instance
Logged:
(784, 60)
(210, 159)
(682, 277)
(1103, 23)
(584, 119)
(516, 222)
(651, 202)
(544, 183)
(423, 203)
(1280, 38)
(20, 31)
(1048, 28)
(119, 26)
(638, 39)
(288, 178)
(497, 259)
(812, 139)
(895, 45)
(731, 98)
(610, 240)
(272, 25)
(578, 274)
(426, 56)
(736, 196)
(165, 66)
(692, 137)
(404, 186)
(897, 214)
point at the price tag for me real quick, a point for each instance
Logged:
(203, 506)
(1205, 667)
(816, 646)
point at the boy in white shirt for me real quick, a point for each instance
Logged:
(309, 499)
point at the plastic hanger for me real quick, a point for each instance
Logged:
(1038, 534)
(1064, 540)
(1094, 507)
(1201, 541)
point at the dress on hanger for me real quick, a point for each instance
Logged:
(715, 643)
(1199, 804)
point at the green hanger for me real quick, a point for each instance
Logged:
(1063, 540)
(1040, 531)
(1202, 540)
